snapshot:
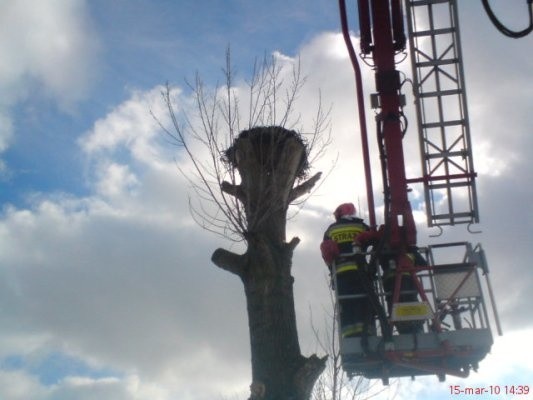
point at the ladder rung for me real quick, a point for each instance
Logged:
(449, 185)
(441, 93)
(454, 215)
(445, 154)
(443, 124)
(434, 32)
(351, 296)
(434, 63)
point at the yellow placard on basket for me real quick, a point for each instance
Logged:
(411, 311)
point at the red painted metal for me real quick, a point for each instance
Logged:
(401, 221)
(417, 362)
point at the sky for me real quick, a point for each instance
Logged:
(106, 286)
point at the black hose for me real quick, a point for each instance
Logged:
(502, 28)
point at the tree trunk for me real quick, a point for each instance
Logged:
(269, 161)
(278, 366)
(268, 286)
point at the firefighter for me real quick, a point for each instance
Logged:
(346, 264)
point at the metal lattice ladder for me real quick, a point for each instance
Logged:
(440, 98)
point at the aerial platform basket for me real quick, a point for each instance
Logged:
(455, 333)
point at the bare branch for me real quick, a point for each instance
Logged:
(221, 204)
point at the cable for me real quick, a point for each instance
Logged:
(364, 59)
(403, 53)
(402, 115)
(405, 125)
(502, 28)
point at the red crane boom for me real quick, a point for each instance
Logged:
(446, 294)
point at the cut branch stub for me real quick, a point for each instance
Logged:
(234, 190)
(229, 261)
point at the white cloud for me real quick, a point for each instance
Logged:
(116, 180)
(19, 386)
(48, 43)
(131, 125)
(122, 276)
(121, 289)
(16, 385)
(47, 50)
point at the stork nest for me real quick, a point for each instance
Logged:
(268, 143)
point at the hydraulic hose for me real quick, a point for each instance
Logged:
(502, 28)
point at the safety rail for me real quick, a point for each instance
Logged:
(453, 332)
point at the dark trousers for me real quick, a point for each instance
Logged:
(353, 311)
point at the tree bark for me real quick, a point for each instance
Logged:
(269, 161)
(277, 363)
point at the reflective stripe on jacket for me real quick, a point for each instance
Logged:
(352, 330)
(344, 232)
(347, 266)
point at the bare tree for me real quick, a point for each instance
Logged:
(245, 186)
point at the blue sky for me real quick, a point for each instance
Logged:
(168, 44)
(104, 292)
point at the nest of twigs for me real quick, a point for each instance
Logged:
(268, 143)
